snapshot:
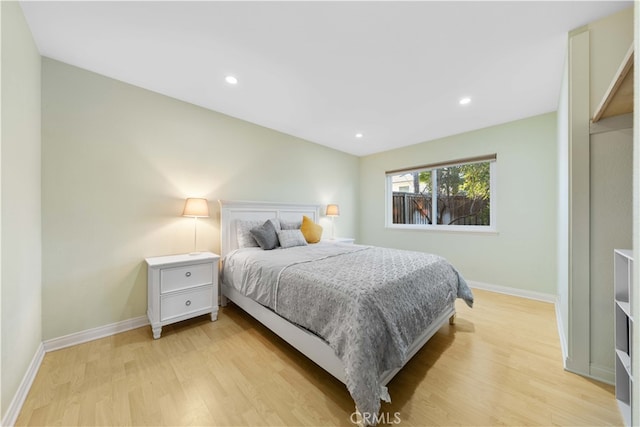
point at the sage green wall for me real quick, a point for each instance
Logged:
(118, 162)
(522, 255)
(20, 284)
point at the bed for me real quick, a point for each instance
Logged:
(359, 312)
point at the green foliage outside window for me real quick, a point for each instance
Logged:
(463, 196)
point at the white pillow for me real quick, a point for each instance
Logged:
(291, 238)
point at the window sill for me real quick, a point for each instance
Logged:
(445, 228)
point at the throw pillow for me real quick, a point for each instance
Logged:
(312, 232)
(291, 238)
(243, 233)
(265, 235)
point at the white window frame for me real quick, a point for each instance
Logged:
(493, 201)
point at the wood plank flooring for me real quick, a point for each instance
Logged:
(500, 364)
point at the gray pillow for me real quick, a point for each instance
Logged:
(291, 238)
(243, 231)
(265, 235)
(276, 223)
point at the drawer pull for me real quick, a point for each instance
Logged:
(188, 303)
(188, 274)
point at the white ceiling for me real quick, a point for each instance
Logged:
(324, 71)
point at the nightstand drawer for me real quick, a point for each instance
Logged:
(181, 303)
(172, 279)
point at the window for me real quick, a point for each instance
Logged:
(457, 195)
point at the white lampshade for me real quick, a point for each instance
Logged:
(197, 208)
(333, 210)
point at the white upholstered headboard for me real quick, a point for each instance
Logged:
(233, 210)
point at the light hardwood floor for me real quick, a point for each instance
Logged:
(500, 364)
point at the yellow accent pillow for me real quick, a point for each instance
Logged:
(311, 231)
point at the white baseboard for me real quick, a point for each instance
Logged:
(539, 296)
(95, 333)
(15, 406)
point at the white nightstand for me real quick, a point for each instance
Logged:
(350, 240)
(180, 287)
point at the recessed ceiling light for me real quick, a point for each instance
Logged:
(359, 135)
(465, 100)
(231, 80)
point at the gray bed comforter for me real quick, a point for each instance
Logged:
(368, 303)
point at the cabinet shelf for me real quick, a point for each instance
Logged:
(623, 297)
(625, 307)
(619, 96)
(626, 362)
